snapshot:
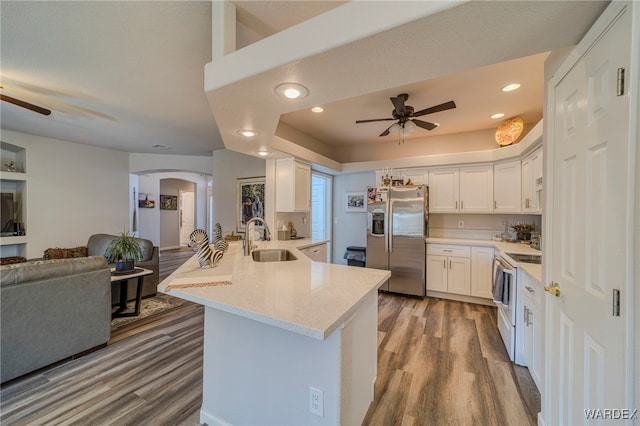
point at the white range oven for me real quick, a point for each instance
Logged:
(505, 293)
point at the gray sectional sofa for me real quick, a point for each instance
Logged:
(51, 310)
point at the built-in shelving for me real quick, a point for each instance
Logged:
(13, 190)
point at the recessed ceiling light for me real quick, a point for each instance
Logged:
(247, 133)
(317, 109)
(511, 87)
(292, 91)
(498, 115)
(263, 153)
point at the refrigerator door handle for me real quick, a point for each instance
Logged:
(390, 228)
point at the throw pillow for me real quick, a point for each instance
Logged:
(65, 253)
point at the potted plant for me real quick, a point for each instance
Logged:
(124, 250)
(523, 231)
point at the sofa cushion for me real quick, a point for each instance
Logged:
(65, 253)
(38, 270)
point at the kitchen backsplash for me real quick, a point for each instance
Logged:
(477, 226)
(300, 221)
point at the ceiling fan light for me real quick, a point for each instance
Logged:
(394, 129)
(409, 127)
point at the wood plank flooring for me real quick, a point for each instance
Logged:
(439, 362)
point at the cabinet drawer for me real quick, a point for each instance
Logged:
(533, 288)
(449, 250)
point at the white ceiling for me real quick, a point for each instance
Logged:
(129, 75)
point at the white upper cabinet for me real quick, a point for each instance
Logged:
(293, 186)
(532, 182)
(461, 190)
(444, 190)
(476, 189)
(507, 187)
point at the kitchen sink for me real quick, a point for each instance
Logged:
(272, 255)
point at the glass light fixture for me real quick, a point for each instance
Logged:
(497, 115)
(292, 91)
(409, 127)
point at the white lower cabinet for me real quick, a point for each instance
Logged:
(317, 253)
(482, 272)
(448, 269)
(459, 269)
(532, 327)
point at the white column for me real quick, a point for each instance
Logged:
(223, 28)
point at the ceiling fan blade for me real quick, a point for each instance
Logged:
(442, 107)
(375, 119)
(27, 105)
(424, 124)
(386, 132)
(398, 103)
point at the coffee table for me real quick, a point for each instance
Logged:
(123, 280)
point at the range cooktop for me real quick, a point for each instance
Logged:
(525, 258)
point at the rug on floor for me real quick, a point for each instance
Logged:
(149, 306)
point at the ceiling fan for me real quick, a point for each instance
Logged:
(24, 104)
(405, 114)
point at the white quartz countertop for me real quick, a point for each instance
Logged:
(533, 269)
(302, 296)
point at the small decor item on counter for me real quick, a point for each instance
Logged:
(523, 231)
(217, 231)
(409, 182)
(124, 251)
(386, 181)
(206, 256)
(292, 230)
(233, 237)
(221, 245)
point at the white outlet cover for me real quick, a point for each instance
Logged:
(316, 403)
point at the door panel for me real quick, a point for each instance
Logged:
(587, 256)
(187, 216)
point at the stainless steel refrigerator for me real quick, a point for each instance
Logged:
(397, 223)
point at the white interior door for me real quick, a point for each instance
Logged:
(588, 232)
(187, 216)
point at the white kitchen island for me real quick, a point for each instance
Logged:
(273, 330)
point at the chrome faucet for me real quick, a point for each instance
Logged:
(245, 241)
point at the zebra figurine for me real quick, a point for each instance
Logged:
(207, 257)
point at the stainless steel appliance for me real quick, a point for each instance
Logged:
(398, 219)
(504, 296)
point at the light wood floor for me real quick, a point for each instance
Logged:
(439, 362)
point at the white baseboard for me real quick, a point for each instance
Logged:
(211, 419)
(460, 297)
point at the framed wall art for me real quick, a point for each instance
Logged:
(168, 202)
(355, 202)
(249, 200)
(145, 201)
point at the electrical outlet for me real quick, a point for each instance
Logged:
(461, 224)
(316, 403)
